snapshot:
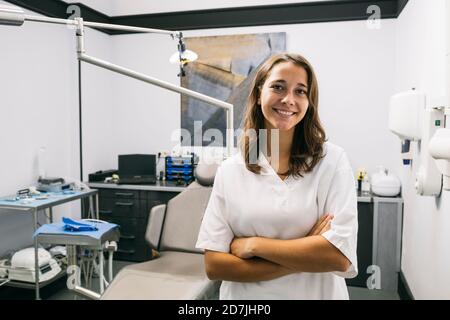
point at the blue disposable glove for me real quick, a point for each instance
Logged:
(72, 225)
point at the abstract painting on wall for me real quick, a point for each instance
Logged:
(224, 70)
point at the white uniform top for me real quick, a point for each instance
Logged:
(245, 204)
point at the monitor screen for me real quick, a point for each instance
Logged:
(137, 164)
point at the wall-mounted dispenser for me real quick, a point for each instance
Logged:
(405, 119)
(439, 148)
(429, 178)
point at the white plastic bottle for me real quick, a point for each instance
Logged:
(161, 166)
(365, 187)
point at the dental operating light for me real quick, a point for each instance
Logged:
(182, 56)
(15, 16)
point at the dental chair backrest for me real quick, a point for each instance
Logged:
(184, 213)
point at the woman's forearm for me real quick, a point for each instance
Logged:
(225, 266)
(308, 254)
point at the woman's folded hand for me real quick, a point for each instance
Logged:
(242, 247)
(322, 225)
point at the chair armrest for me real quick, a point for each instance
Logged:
(154, 225)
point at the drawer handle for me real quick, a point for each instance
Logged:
(105, 211)
(124, 194)
(126, 251)
(125, 237)
(124, 204)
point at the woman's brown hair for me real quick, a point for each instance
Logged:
(309, 135)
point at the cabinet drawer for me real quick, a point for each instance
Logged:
(130, 210)
(119, 194)
(132, 229)
(161, 196)
(119, 207)
(131, 245)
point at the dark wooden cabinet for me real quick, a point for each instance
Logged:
(130, 210)
(364, 244)
(380, 222)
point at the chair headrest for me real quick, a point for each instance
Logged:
(205, 173)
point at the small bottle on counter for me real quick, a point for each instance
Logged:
(365, 186)
(161, 166)
(359, 179)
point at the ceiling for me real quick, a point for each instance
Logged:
(135, 7)
(200, 14)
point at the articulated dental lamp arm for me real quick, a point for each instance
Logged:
(14, 16)
(11, 16)
(181, 49)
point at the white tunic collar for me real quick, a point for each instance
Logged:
(266, 168)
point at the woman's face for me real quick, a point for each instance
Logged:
(284, 98)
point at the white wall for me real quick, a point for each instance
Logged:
(144, 115)
(39, 108)
(355, 67)
(420, 64)
(98, 98)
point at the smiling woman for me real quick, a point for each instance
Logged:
(285, 92)
(284, 102)
(283, 226)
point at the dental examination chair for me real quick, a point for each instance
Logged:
(179, 271)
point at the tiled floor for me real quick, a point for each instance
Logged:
(354, 292)
(357, 293)
(66, 294)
